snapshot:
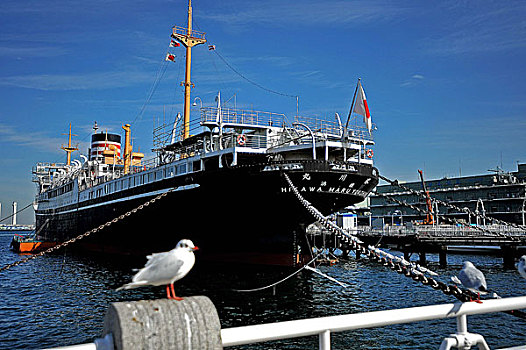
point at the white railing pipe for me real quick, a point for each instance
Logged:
(316, 326)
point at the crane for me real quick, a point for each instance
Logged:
(429, 217)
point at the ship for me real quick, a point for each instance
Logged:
(224, 176)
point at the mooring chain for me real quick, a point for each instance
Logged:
(449, 205)
(397, 264)
(332, 227)
(86, 234)
(488, 233)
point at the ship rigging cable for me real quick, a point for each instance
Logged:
(160, 74)
(395, 263)
(251, 81)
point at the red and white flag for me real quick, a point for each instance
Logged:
(361, 107)
(211, 47)
(170, 57)
(174, 43)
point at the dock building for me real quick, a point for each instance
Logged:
(500, 195)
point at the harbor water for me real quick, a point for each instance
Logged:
(60, 300)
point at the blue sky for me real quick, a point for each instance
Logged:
(445, 80)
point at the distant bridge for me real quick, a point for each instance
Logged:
(5, 227)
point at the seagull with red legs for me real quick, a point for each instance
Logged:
(473, 279)
(165, 268)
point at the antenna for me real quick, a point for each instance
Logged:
(69, 148)
(189, 38)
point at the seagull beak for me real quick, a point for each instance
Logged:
(195, 248)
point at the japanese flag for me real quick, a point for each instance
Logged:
(362, 108)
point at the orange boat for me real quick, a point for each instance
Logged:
(29, 245)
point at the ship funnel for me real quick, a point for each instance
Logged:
(104, 142)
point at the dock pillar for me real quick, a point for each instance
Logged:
(191, 323)
(422, 255)
(407, 256)
(442, 256)
(358, 253)
(508, 256)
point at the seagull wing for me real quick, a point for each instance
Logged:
(473, 278)
(160, 269)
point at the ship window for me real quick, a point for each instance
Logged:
(158, 175)
(197, 166)
(181, 169)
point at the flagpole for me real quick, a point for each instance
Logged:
(352, 106)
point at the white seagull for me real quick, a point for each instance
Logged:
(472, 278)
(166, 268)
(521, 266)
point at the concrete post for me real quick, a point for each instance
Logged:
(192, 323)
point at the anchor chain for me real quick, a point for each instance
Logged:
(449, 205)
(397, 264)
(88, 233)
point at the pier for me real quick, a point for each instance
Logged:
(507, 242)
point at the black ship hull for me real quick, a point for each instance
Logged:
(241, 214)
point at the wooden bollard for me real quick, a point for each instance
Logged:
(192, 323)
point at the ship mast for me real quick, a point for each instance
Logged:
(69, 148)
(189, 38)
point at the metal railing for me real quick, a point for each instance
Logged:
(324, 326)
(446, 230)
(244, 140)
(333, 128)
(177, 30)
(242, 117)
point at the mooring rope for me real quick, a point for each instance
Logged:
(397, 264)
(88, 233)
(281, 280)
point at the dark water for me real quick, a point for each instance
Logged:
(60, 300)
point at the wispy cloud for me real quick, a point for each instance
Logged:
(311, 12)
(414, 80)
(32, 52)
(65, 82)
(31, 139)
(487, 27)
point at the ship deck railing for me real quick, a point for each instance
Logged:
(329, 127)
(231, 117)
